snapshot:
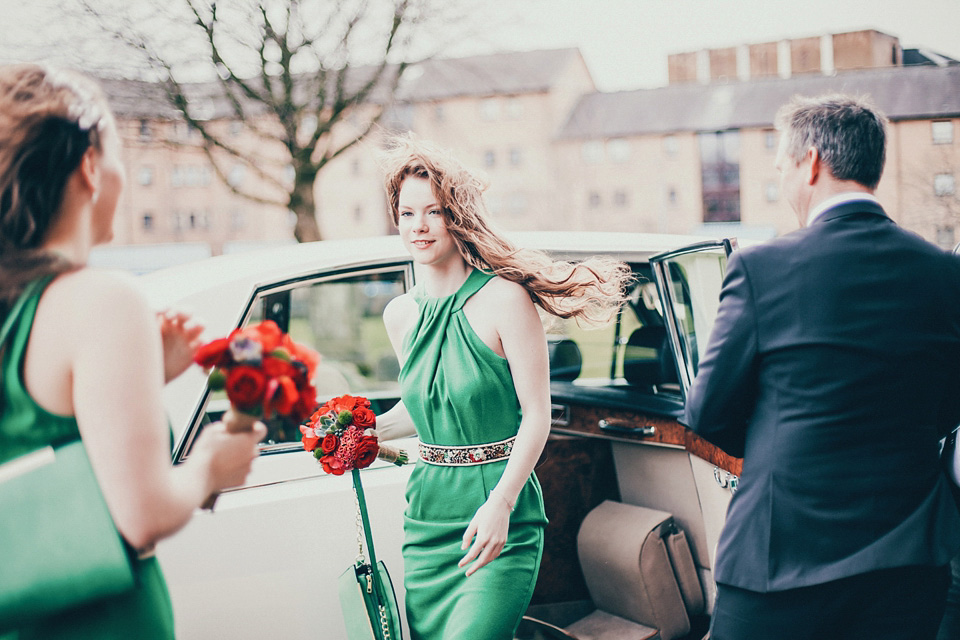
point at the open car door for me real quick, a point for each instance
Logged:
(688, 283)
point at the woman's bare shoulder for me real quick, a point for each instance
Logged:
(504, 292)
(95, 293)
(399, 310)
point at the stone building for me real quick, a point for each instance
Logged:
(695, 156)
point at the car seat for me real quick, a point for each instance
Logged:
(565, 359)
(648, 361)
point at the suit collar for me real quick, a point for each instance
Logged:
(848, 208)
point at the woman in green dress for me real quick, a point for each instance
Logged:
(474, 383)
(86, 357)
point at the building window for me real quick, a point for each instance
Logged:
(620, 198)
(515, 156)
(593, 199)
(942, 131)
(944, 184)
(147, 221)
(145, 176)
(145, 133)
(618, 150)
(355, 167)
(190, 175)
(357, 213)
(672, 196)
(720, 175)
(489, 158)
(945, 237)
(770, 140)
(513, 108)
(592, 151)
(771, 190)
(489, 109)
(671, 146)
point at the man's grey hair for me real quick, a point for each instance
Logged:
(848, 133)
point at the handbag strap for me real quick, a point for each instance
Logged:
(379, 591)
(365, 519)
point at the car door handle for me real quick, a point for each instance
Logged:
(622, 426)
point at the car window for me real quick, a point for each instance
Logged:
(341, 317)
(689, 282)
(610, 355)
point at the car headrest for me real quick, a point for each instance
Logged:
(647, 358)
(565, 359)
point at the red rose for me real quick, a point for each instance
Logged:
(307, 356)
(267, 334)
(366, 452)
(329, 443)
(364, 418)
(331, 465)
(277, 367)
(343, 403)
(282, 395)
(270, 335)
(245, 387)
(213, 354)
(305, 404)
(310, 438)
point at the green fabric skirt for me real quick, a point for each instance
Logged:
(441, 601)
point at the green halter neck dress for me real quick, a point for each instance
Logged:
(145, 612)
(459, 392)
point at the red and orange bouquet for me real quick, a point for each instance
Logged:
(342, 436)
(264, 373)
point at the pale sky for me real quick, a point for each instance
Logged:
(626, 42)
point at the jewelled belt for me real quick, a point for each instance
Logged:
(468, 455)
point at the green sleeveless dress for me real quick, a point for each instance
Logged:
(144, 613)
(459, 392)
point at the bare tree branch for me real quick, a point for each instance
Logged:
(291, 70)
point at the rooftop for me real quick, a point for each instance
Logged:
(903, 93)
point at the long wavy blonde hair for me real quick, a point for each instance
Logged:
(592, 290)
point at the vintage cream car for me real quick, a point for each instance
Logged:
(265, 563)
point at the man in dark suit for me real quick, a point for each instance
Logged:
(833, 370)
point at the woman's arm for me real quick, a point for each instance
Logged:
(116, 359)
(525, 347)
(395, 423)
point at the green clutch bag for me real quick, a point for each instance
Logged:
(369, 603)
(59, 547)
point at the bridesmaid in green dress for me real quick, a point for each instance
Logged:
(85, 358)
(474, 383)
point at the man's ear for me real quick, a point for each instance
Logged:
(811, 163)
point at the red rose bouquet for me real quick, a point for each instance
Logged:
(342, 436)
(264, 373)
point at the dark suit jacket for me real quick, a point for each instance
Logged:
(833, 369)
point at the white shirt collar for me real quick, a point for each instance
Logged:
(840, 198)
